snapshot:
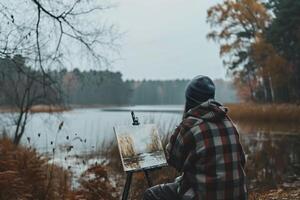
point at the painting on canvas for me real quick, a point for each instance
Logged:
(140, 147)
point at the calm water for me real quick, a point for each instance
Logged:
(273, 157)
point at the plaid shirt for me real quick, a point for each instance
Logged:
(205, 147)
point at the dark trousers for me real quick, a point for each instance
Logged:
(162, 192)
(168, 191)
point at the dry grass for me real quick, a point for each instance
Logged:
(95, 185)
(265, 113)
(24, 174)
(276, 194)
(155, 144)
(38, 109)
(127, 146)
(48, 109)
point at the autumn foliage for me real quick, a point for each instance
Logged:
(24, 174)
(257, 52)
(261, 113)
(95, 185)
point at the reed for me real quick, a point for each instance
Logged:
(127, 146)
(48, 109)
(95, 185)
(37, 109)
(24, 174)
(265, 113)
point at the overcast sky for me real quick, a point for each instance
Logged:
(165, 39)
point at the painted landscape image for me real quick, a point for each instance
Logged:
(140, 147)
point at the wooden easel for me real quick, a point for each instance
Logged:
(129, 178)
(130, 173)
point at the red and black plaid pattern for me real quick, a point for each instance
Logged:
(206, 148)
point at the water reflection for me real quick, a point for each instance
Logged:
(272, 159)
(144, 160)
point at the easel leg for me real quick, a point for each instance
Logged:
(127, 186)
(148, 178)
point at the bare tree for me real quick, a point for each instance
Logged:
(21, 92)
(51, 33)
(48, 34)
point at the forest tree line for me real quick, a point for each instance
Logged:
(260, 43)
(108, 88)
(93, 87)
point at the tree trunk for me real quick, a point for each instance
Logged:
(251, 89)
(23, 125)
(297, 81)
(267, 89)
(18, 126)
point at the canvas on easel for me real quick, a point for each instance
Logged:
(140, 147)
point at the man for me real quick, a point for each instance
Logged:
(205, 148)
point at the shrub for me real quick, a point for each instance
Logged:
(24, 174)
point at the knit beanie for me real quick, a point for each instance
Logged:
(200, 89)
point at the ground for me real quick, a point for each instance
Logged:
(277, 194)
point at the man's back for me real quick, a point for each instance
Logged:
(206, 148)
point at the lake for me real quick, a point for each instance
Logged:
(273, 155)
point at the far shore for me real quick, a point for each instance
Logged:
(242, 112)
(36, 109)
(265, 113)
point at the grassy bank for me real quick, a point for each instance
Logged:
(276, 194)
(260, 190)
(37, 109)
(25, 174)
(265, 113)
(243, 112)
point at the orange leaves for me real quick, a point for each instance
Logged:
(237, 23)
(231, 47)
(23, 175)
(225, 49)
(95, 185)
(270, 62)
(98, 171)
(281, 193)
